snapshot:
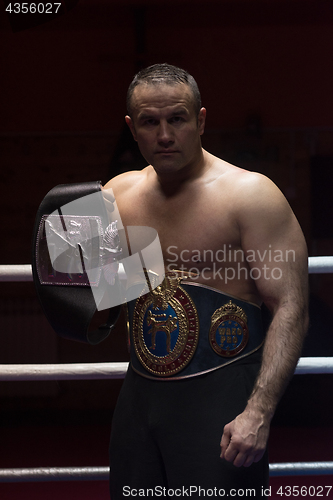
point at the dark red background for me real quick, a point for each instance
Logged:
(266, 76)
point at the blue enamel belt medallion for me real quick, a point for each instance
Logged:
(165, 329)
(229, 333)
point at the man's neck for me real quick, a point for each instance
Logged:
(171, 182)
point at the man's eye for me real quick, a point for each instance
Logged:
(151, 121)
(177, 119)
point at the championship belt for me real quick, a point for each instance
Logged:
(66, 297)
(183, 329)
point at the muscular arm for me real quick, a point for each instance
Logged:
(269, 224)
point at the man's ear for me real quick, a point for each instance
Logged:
(129, 122)
(202, 120)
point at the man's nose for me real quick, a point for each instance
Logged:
(165, 134)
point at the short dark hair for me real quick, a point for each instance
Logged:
(164, 74)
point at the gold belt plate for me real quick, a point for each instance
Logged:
(165, 328)
(229, 333)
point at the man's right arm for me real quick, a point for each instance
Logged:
(269, 224)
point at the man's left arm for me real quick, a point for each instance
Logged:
(269, 227)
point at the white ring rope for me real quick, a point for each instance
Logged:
(17, 272)
(43, 474)
(23, 272)
(69, 371)
(320, 265)
(117, 370)
(314, 366)
(301, 469)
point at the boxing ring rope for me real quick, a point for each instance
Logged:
(83, 371)
(45, 474)
(23, 272)
(100, 371)
(18, 272)
(69, 371)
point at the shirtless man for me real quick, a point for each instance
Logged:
(237, 230)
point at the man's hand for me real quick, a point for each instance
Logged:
(244, 440)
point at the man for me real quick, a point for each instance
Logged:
(233, 235)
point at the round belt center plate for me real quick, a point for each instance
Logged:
(229, 333)
(165, 329)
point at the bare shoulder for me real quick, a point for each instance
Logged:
(248, 181)
(263, 213)
(126, 181)
(252, 192)
(256, 205)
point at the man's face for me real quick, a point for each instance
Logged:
(166, 127)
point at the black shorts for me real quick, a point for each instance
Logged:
(166, 435)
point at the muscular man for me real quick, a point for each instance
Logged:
(236, 234)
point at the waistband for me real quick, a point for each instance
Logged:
(184, 329)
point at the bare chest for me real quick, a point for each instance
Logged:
(194, 231)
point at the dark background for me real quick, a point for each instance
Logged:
(266, 76)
